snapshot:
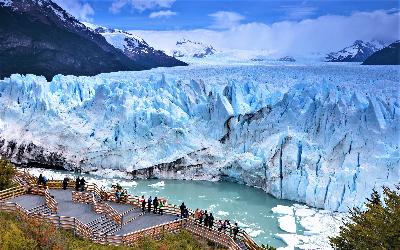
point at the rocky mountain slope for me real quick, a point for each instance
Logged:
(188, 48)
(137, 49)
(323, 135)
(389, 55)
(39, 37)
(357, 52)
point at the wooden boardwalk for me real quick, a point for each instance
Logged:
(102, 219)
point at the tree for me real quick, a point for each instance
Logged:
(376, 227)
(7, 171)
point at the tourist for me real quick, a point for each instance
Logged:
(118, 195)
(149, 201)
(160, 207)
(201, 217)
(65, 183)
(182, 207)
(143, 202)
(44, 181)
(82, 184)
(196, 214)
(177, 217)
(77, 183)
(210, 221)
(186, 213)
(235, 231)
(40, 179)
(219, 226)
(155, 205)
(206, 219)
(224, 225)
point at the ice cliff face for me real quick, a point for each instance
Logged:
(323, 135)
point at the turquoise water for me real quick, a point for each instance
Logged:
(250, 207)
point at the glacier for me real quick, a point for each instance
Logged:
(322, 134)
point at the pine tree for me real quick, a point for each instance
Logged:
(376, 227)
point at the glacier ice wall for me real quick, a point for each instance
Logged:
(320, 134)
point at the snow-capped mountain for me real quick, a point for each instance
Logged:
(136, 48)
(39, 37)
(188, 48)
(357, 52)
(389, 55)
(320, 135)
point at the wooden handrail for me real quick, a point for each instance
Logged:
(51, 203)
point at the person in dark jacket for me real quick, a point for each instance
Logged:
(235, 231)
(65, 183)
(149, 204)
(143, 201)
(82, 184)
(210, 221)
(40, 179)
(155, 205)
(77, 183)
(182, 207)
(206, 219)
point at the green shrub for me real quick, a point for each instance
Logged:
(377, 227)
(7, 172)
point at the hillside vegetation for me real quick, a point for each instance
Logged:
(32, 234)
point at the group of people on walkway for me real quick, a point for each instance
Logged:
(80, 184)
(203, 218)
(157, 205)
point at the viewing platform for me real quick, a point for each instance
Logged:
(95, 214)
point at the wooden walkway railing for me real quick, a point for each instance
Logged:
(223, 238)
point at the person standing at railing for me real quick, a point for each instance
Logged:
(149, 201)
(201, 216)
(77, 183)
(161, 207)
(196, 214)
(206, 219)
(155, 205)
(143, 202)
(40, 180)
(82, 184)
(65, 183)
(182, 207)
(210, 221)
(235, 231)
(219, 226)
(118, 195)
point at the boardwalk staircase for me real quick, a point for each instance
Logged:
(41, 209)
(103, 226)
(131, 215)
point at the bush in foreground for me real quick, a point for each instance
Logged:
(7, 171)
(377, 227)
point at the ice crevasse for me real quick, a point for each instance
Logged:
(324, 135)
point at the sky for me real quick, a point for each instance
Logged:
(271, 25)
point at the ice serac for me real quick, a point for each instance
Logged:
(323, 135)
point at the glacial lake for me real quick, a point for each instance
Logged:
(249, 206)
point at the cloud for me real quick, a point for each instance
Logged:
(141, 5)
(323, 34)
(225, 19)
(162, 13)
(295, 12)
(79, 9)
